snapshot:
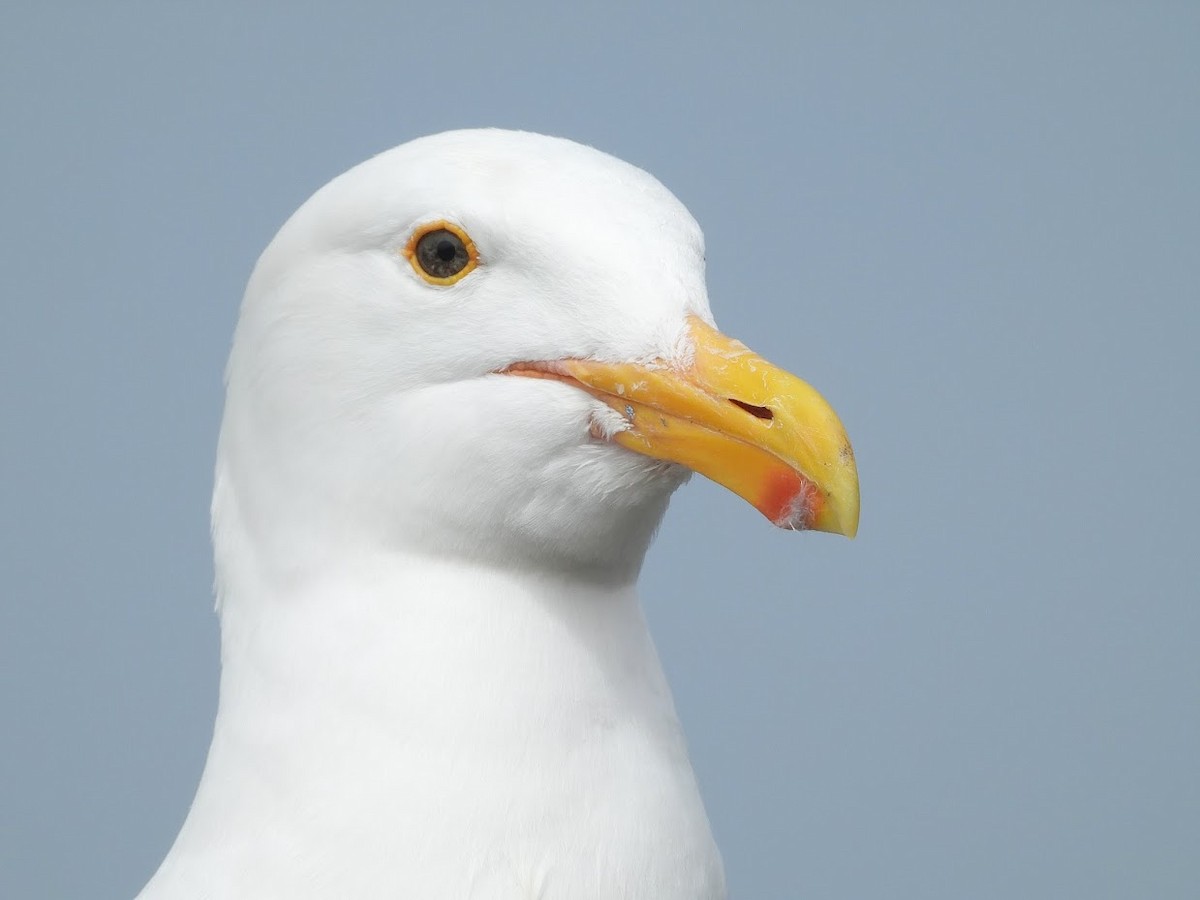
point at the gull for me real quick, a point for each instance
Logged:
(467, 377)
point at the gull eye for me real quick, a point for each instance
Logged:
(441, 253)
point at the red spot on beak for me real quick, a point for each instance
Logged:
(790, 500)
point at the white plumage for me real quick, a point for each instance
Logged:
(436, 677)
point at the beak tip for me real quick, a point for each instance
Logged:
(846, 527)
(840, 513)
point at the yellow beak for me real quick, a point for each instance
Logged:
(732, 416)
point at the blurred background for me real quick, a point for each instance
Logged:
(974, 227)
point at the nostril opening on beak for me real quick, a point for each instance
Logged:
(759, 412)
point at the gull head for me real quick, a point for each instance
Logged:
(497, 346)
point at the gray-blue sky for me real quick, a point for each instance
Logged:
(975, 230)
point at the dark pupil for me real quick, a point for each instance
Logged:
(442, 254)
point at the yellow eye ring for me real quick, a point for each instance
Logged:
(441, 252)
